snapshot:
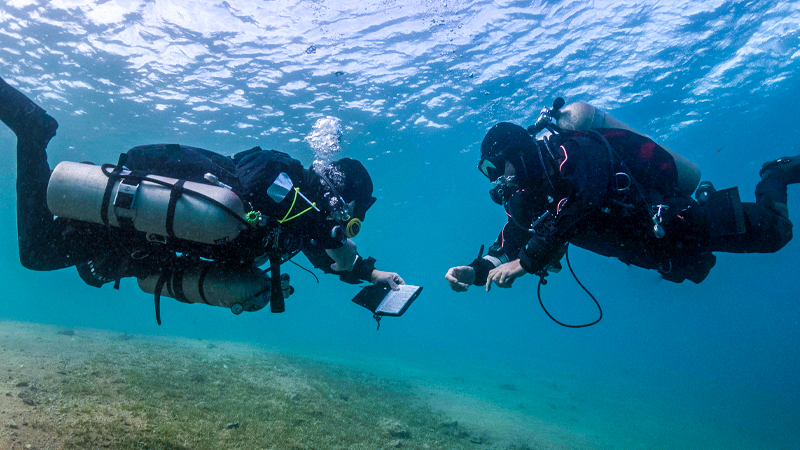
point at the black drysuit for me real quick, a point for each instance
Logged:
(604, 196)
(103, 253)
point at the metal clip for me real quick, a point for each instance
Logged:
(156, 238)
(139, 254)
(658, 230)
(378, 320)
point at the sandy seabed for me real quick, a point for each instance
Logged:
(93, 389)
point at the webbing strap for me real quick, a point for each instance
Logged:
(112, 180)
(177, 284)
(174, 195)
(276, 303)
(107, 196)
(126, 223)
(201, 282)
(165, 275)
(612, 153)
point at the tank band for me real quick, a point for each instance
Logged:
(177, 284)
(201, 282)
(112, 180)
(175, 194)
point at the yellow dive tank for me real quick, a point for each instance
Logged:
(161, 206)
(239, 288)
(583, 116)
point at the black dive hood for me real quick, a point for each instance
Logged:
(533, 160)
(350, 179)
(345, 179)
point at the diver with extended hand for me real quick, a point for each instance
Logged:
(596, 183)
(188, 223)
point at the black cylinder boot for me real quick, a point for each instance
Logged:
(25, 118)
(789, 165)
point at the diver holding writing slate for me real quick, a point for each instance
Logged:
(189, 223)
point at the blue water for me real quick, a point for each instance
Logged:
(416, 84)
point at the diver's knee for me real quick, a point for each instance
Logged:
(780, 236)
(32, 260)
(29, 262)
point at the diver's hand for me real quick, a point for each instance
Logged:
(344, 257)
(460, 277)
(392, 279)
(504, 274)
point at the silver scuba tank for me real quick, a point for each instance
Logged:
(240, 288)
(79, 191)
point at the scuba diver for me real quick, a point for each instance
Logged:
(594, 182)
(186, 222)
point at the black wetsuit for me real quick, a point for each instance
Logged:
(103, 253)
(603, 201)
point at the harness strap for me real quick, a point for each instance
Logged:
(177, 284)
(165, 275)
(613, 158)
(122, 268)
(276, 303)
(107, 195)
(655, 197)
(175, 193)
(545, 169)
(126, 223)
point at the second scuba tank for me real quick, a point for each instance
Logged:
(240, 288)
(583, 116)
(153, 204)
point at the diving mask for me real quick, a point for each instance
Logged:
(492, 167)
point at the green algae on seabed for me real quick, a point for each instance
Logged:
(133, 394)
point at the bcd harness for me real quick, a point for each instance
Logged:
(650, 199)
(627, 195)
(120, 193)
(658, 202)
(267, 230)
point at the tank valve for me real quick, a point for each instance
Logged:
(704, 191)
(213, 179)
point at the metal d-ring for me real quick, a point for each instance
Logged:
(624, 177)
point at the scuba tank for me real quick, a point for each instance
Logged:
(240, 288)
(582, 116)
(149, 203)
(185, 211)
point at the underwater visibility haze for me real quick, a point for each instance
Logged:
(412, 86)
